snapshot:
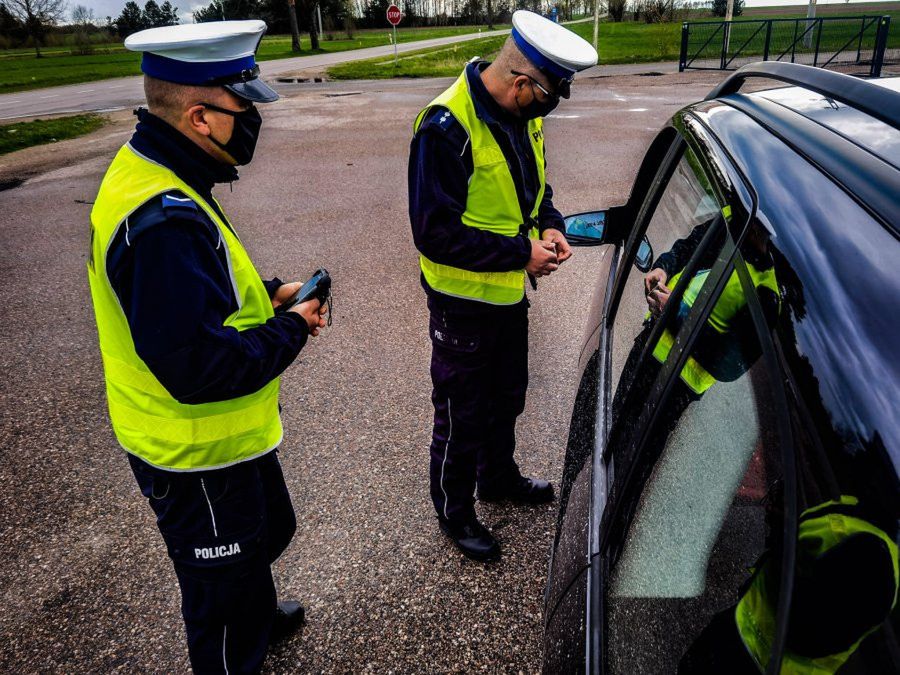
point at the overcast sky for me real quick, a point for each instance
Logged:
(104, 8)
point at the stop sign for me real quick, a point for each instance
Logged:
(393, 15)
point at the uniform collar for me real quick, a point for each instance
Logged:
(162, 143)
(486, 108)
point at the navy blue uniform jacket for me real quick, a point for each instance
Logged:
(440, 165)
(169, 271)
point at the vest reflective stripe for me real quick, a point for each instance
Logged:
(754, 615)
(492, 203)
(148, 422)
(729, 303)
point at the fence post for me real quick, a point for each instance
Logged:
(726, 30)
(884, 25)
(768, 40)
(794, 41)
(862, 29)
(818, 40)
(682, 60)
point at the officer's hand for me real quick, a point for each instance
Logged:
(563, 250)
(314, 313)
(655, 277)
(658, 298)
(284, 293)
(543, 259)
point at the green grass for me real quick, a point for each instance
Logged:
(618, 42)
(625, 42)
(20, 70)
(26, 134)
(437, 62)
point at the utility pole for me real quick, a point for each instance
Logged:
(729, 13)
(319, 14)
(810, 19)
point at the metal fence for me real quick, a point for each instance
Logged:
(857, 43)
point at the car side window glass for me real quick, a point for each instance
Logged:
(685, 209)
(698, 521)
(685, 216)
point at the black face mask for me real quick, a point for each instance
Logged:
(244, 135)
(537, 108)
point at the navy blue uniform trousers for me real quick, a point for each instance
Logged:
(479, 371)
(223, 529)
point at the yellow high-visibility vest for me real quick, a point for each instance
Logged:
(821, 528)
(732, 299)
(148, 422)
(492, 203)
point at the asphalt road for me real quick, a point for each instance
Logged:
(122, 92)
(84, 578)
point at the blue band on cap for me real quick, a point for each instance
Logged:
(192, 72)
(542, 62)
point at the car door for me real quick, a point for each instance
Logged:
(694, 461)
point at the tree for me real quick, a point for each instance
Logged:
(82, 16)
(130, 20)
(295, 29)
(719, 7)
(36, 16)
(83, 21)
(169, 13)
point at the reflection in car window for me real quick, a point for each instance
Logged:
(699, 524)
(686, 203)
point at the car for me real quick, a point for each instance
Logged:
(730, 492)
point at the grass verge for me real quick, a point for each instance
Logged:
(26, 134)
(20, 70)
(619, 43)
(625, 42)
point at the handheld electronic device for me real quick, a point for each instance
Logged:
(317, 286)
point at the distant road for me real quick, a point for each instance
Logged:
(128, 91)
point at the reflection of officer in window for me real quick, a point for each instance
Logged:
(726, 346)
(845, 586)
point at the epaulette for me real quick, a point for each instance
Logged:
(160, 209)
(441, 118)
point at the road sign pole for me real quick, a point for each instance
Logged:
(394, 15)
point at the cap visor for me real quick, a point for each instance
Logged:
(253, 90)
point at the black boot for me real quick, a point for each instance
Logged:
(472, 538)
(519, 489)
(289, 616)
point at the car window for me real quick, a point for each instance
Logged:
(705, 489)
(684, 216)
(686, 203)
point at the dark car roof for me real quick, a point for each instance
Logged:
(875, 135)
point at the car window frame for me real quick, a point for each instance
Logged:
(690, 130)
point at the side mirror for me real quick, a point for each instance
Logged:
(643, 260)
(586, 229)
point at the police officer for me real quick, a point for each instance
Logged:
(192, 348)
(482, 218)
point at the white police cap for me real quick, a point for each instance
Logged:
(215, 53)
(553, 49)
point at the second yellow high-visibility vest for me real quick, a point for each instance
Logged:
(821, 528)
(148, 421)
(492, 203)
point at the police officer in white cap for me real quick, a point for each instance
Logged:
(483, 221)
(192, 345)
